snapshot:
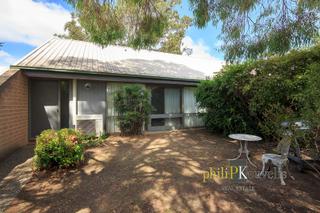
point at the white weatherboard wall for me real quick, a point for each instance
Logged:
(191, 118)
(91, 97)
(86, 102)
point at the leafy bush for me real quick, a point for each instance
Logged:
(311, 106)
(133, 107)
(60, 149)
(311, 96)
(256, 96)
(92, 140)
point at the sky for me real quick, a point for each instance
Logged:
(26, 24)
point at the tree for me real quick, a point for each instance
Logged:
(74, 30)
(171, 42)
(134, 23)
(259, 28)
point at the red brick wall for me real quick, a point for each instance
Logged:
(13, 111)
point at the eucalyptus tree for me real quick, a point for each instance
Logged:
(259, 28)
(74, 30)
(134, 23)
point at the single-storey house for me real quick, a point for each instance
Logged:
(68, 83)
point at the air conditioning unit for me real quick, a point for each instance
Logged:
(90, 124)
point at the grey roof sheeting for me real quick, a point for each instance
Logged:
(85, 57)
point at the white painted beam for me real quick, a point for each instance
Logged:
(74, 102)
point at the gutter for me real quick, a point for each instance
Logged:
(77, 71)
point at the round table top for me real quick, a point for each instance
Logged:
(245, 137)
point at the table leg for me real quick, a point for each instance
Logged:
(247, 153)
(240, 152)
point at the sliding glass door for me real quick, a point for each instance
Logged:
(166, 112)
(191, 110)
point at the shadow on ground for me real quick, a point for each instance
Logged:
(15, 159)
(164, 173)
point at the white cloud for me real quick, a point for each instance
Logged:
(201, 50)
(31, 22)
(5, 60)
(3, 54)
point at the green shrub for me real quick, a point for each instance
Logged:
(92, 140)
(133, 106)
(311, 96)
(58, 149)
(226, 111)
(311, 107)
(255, 96)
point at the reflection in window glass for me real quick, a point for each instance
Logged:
(157, 100)
(157, 122)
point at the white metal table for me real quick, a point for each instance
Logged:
(244, 138)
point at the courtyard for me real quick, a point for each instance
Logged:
(159, 172)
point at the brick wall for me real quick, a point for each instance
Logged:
(13, 111)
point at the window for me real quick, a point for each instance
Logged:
(157, 122)
(167, 108)
(157, 100)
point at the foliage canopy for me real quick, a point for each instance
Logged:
(74, 30)
(250, 29)
(138, 24)
(256, 96)
(256, 29)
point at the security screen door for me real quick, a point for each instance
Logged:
(44, 104)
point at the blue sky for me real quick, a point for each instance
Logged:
(208, 35)
(26, 24)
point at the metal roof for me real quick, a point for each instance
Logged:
(85, 57)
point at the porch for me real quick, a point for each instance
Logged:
(88, 105)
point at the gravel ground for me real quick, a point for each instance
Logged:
(164, 173)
